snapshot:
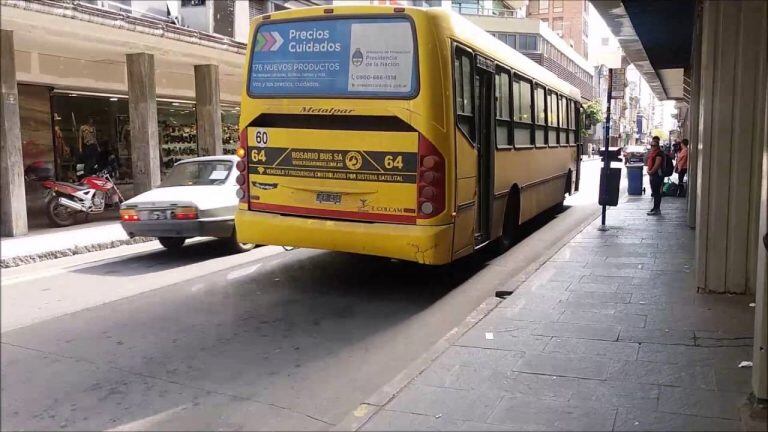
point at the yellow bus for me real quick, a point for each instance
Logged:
(398, 132)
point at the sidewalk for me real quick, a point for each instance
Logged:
(609, 334)
(51, 243)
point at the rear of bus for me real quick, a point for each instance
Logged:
(343, 138)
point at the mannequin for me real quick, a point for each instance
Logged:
(89, 146)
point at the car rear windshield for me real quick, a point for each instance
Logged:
(201, 173)
(346, 57)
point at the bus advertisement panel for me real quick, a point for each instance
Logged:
(334, 57)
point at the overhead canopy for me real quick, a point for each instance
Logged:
(656, 36)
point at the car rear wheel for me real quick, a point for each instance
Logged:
(172, 243)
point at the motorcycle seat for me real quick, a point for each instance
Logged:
(78, 186)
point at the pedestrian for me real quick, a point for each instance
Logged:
(681, 167)
(654, 164)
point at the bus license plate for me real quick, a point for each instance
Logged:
(328, 198)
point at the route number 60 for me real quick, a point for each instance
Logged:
(261, 138)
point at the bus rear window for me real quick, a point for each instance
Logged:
(355, 57)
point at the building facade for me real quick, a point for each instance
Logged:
(535, 40)
(74, 84)
(569, 19)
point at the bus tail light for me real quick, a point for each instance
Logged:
(242, 167)
(431, 180)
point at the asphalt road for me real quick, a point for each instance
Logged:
(139, 338)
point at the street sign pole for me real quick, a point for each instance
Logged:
(606, 157)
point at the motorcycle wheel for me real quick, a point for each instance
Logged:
(59, 215)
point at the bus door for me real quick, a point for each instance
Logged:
(486, 127)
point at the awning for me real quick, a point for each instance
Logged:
(656, 36)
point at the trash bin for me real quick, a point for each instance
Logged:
(635, 179)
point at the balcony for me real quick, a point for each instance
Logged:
(478, 9)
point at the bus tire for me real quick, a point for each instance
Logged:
(510, 233)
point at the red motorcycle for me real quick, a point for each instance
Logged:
(65, 201)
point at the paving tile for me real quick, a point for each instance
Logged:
(611, 350)
(661, 298)
(704, 403)
(701, 356)
(521, 413)
(570, 366)
(387, 420)
(541, 386)
(617, 319)
(592, 287)
(607, 280)
(600, 297)
(525, 311)
(730, 378)
(578, 305)
(616, 394)
(658, 336)
(630, 260)
(468, 368)
(629, 419)
(581, 331)
(477, 426)
(503, 340)
(688, 376)
(686, 318)
(538, 287)
(450, 403)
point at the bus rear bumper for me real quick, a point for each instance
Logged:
(420, 243)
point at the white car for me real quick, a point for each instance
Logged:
(196, 199)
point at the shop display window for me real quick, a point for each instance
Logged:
(92, 131)
(177, 129)
(230, 129)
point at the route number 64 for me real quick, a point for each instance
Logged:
(393, 162)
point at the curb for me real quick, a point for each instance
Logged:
(76, 250)
(381, 397)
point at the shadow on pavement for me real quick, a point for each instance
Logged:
(159, 260)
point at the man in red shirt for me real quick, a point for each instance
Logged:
(681, 167)
(654, 163)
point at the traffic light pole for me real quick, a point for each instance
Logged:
(606, 157)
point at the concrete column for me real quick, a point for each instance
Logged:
(760, 350)
(731, 118)
(13, 202)
(208, 109)
(142, 104)
(692, 132)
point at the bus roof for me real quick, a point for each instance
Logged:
(453, 25)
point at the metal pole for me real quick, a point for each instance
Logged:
(607, 139)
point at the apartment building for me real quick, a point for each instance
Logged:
(569, 19)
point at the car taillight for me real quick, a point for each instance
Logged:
(242, 167)
(184, 213)
(129, 215)
(431, 180)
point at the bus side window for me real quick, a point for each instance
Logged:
(562, 120)
(573, 110)
(503, 114)
(464, 85)
(522, 111)
(552, 118)
(541, 116)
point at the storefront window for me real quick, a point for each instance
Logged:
(177, 130)
(230, 135)
(92, 131)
